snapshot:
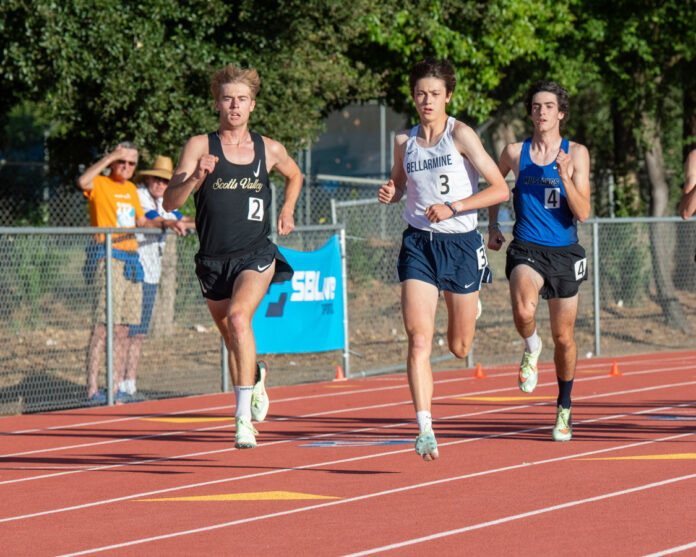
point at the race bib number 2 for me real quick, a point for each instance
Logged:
(255, 209)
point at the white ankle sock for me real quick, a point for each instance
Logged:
(243, 396)
(425, 421)
(532, 343)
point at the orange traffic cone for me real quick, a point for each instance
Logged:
(339, 374)
(615, 371)
(479, 372)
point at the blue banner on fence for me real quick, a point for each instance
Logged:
(304, 314)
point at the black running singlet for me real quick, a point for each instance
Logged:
(232, 204)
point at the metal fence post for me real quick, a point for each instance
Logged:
(308, 185)
(346, 331)
(274, 214)
(595, 266)
(109, 322)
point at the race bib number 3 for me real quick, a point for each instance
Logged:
(552, 198)
(255, 209)
(482, 259)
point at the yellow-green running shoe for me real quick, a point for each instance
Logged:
(426, 445)
(529, 375)
(245, 436)
(259, 397)
(564, 425)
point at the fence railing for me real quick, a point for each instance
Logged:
(640, 297)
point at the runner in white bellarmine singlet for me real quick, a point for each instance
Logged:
(437, 174)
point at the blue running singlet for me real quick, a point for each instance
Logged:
(542, 215)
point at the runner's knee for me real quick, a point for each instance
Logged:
(419, 345)
(459, 347)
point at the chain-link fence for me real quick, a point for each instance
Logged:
(640, 297)
(49, 294)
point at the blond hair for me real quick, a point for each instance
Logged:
(234, 74)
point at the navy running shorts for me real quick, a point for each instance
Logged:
(454, 263)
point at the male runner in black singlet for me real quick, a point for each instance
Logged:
(228, 172)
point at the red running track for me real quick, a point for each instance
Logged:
(335, 472)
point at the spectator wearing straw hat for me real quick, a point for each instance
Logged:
(152, 185)
(113, 203)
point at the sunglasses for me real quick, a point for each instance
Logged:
(129, 163)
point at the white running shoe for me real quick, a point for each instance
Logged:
(564, 425)
(426, 445)
(529, 374)
(245, 435)
(259, 397)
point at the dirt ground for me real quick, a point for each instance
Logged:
(44, 369)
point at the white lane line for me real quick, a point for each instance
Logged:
(510, 518)
(358, 390)
(360, 430)
(359, 458)
(333, 412)
(391, 492)
(672, 550)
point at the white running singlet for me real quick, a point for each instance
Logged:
(437, 174)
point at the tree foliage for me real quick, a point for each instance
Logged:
(108, 71)
(103, 71)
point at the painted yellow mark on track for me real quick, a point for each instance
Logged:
(253, 496)
(505, 398)
(188, 420)
(676, 456)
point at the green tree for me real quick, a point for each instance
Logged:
(108, 71)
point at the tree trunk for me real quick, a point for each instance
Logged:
(163, 312)
(662, 234)
(626, 182)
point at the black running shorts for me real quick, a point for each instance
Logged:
(216, 275)
(563, 268)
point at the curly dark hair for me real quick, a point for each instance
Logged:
(549, 87)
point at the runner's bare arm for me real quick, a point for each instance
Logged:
(574, 170)
(195, 163)
(509, 161)
(394, 190)
(279, 160)
(687, 205)
(469, 145)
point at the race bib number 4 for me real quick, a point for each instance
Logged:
(255, 209)
(580, 268)
(552, 198)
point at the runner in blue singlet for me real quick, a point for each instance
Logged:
(552, 193)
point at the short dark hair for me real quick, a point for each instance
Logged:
(549, 87)
(432, 67)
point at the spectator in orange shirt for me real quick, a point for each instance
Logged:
(114, 203)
